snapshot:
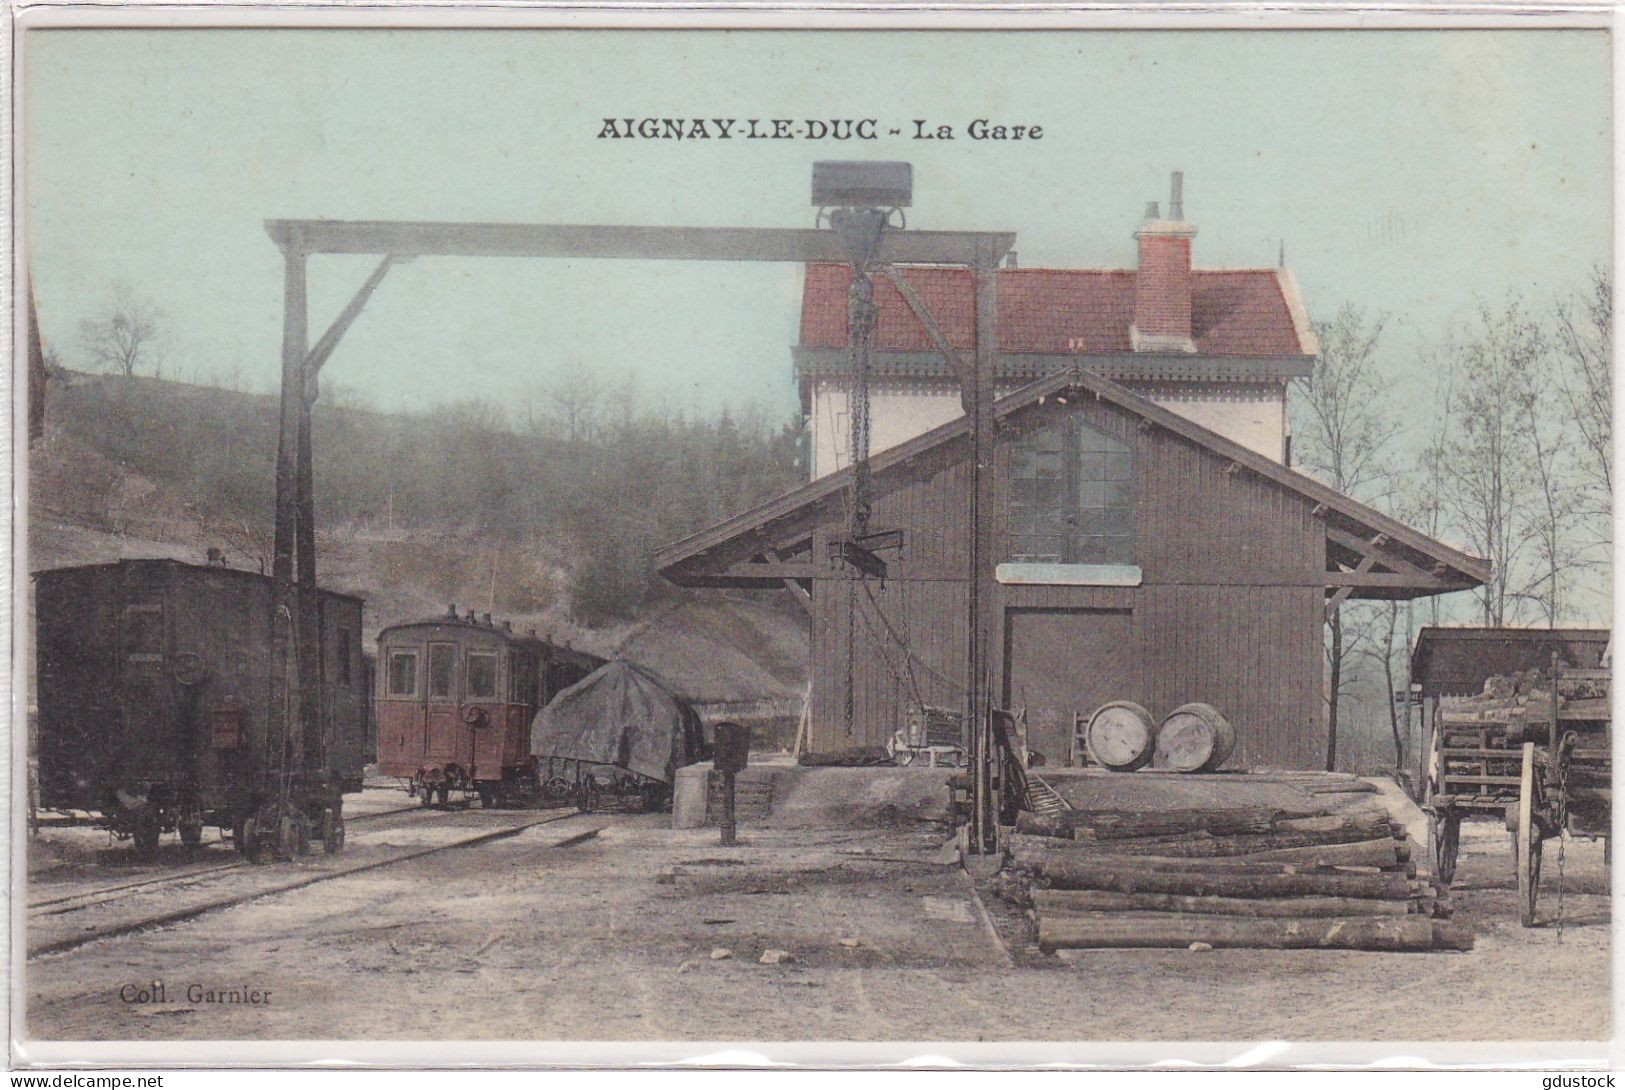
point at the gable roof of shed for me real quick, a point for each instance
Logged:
(1353, 517)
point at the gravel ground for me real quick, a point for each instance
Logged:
(615, 937)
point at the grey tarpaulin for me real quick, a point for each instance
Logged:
(621, 715)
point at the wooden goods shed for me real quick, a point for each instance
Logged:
(1141, 557)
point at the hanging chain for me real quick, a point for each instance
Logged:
(860, 319)
(861, 314)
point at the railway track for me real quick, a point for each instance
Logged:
(151, 920)
(173, 879)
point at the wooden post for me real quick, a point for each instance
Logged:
(730, 827)
(285, 694)
(981, 614)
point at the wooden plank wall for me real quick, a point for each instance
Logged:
(1229, 611)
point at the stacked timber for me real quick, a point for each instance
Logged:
(1245, 876)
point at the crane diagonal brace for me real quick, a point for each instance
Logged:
(963, 371)
(330, 340)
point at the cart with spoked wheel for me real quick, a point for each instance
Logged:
(1532, 750)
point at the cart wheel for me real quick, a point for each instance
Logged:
(191, 829)
(250, 841)
(556, 789)
(1446, 844)
(146, 831)
(1528, 840)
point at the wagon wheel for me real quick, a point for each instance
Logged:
(288, 838)
(556, 788)
(650, 794)
(146, 831)
(1446, 844)
(190, 826)
(588, 802)
(1528, 844)
(249, 840)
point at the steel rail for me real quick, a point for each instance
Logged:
(164, 919)
(184, 877)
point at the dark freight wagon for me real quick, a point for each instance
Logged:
(154, 685)
(455, 700)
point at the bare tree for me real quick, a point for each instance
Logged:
(1344, 433)
(1553, 505)
(1488, 462)
(575, 404)
(1422, 495)
(126, 337)
(1585, 348)
(1380, 645)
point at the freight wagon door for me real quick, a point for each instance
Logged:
(1065, 662)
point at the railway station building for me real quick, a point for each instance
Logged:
(1140, 556)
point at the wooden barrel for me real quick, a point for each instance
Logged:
(1194, 738)
(1120, 736)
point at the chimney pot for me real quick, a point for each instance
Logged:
(1152, 212)
(1176, 196)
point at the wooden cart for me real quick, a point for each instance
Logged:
(1532, 751)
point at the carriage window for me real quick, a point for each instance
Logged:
(403, 673)
(344, 655)
(442, 658)
(1071, 497)
(482, 675)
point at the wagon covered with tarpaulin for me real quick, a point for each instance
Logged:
(620, 734)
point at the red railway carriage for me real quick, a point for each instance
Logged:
(455, 699)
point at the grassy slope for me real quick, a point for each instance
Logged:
(86, 506)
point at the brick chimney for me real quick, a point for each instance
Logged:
(1162, 288)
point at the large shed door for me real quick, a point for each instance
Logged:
(1059, 663)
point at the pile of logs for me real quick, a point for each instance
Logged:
(1252, 877)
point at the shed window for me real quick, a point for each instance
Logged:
(442, 659)
(403, 673)
(482, 675)
(1071, 497)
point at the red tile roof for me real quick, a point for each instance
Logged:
(1235, 313)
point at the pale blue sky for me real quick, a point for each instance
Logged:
(1410, 172)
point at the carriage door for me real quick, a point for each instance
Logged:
(444, 732)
